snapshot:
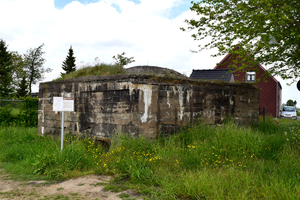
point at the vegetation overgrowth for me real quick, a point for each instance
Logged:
(22, 114)
(200, 162)
(96, 70)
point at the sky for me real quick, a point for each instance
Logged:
(148, 30)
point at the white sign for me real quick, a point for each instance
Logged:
(63, 104)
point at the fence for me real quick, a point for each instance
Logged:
(21, 112)
(10, 103)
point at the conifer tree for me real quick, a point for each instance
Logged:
(5, 70)
(68, 64)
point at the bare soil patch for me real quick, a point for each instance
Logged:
(87, 187)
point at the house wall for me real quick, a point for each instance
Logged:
(270, 91)
(143, 105)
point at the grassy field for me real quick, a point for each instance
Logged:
(201, 162)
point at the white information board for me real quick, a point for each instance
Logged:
(63, 104)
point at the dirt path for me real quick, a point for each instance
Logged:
(87, 187)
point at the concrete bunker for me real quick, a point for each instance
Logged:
(143, 104)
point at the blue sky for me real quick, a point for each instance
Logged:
(175, 11)
(63, 3)
(148, 30)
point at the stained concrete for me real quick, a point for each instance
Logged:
(143, 104)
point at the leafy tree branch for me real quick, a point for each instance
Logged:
(267, 31)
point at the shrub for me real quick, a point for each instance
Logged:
(6, 117)
(27, 117)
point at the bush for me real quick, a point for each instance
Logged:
(27, 117)
(6, 117)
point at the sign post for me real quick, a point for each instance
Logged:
(63, 104)
(62, 129)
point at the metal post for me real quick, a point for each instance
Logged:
(264, 113)
(62, 129)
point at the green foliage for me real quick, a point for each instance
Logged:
(23, 86)
(26, 117)
(27, 154)
(201, 162)
(6, 117)
(69, 63)
(73, 158)
(267, 31)
(290, 102)
(98, 69)
(5, 70)
(29, 104)
(121, 60)
(34, 65)
(19, 75)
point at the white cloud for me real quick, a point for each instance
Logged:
(103, 29)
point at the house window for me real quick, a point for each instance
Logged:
(250, 76)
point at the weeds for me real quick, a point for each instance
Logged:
(201, 162)
(96, 70)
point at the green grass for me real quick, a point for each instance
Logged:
(201, 162)
(99, 69)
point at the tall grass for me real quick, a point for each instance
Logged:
(201, 162)
(98, 69)
(27, 155)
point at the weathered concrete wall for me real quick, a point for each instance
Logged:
(143, 105)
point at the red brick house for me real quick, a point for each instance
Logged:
(270, 88)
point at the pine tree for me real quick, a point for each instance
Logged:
(69, 63)
(5, 70)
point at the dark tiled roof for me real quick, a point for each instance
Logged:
(212, 74)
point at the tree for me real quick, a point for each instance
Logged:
(290, 102)
(34, 66)
(22, 90)
(69, 63)
(268, 31)
(5, 70)
(122, 60)
(20, 81)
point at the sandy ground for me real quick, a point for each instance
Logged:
(87, 187)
